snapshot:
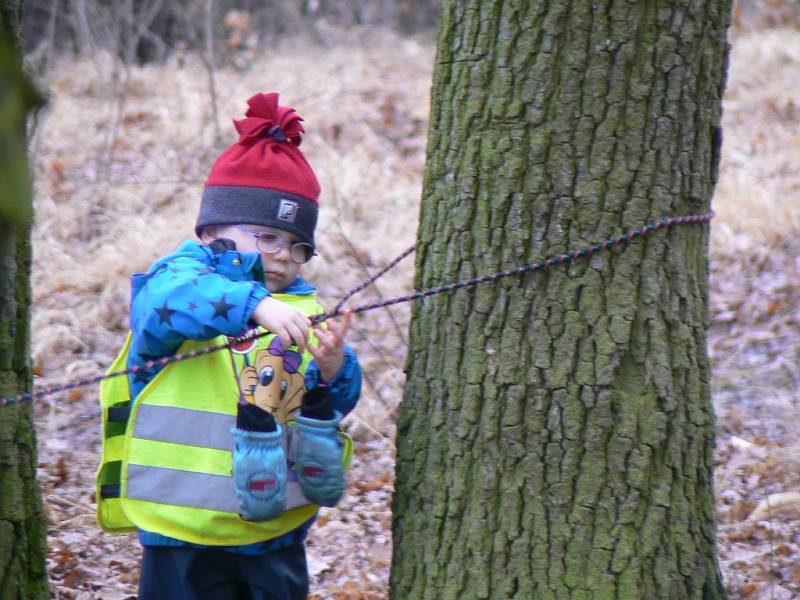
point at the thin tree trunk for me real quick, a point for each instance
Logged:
(556, 433)
(22, 525)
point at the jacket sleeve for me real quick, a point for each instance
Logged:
(346, 384)
(186, 299)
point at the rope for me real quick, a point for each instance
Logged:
(372, 279)
(557, 260)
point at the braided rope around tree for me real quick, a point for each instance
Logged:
(556, 260)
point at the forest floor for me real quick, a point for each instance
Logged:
(120, 160)
(754, 343)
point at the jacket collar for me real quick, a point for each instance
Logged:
(299, 287)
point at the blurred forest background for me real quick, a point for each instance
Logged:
(140, 100)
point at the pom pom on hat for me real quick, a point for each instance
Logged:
(264, 115)
(264, 178)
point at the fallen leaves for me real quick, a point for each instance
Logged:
(755, 345)
(741, 510)
(748, 589)
(61, 471)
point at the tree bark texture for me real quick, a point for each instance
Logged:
(22, 524)
(556, 433)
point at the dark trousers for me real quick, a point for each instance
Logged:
(185, 573)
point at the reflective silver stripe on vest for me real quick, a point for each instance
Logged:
(184, 426)
(184, 488)
(196, 490)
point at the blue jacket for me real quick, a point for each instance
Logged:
(196, 293)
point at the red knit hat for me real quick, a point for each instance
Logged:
(264, 178)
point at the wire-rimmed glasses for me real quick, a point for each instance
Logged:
(269, 242)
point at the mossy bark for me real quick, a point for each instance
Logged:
(556, 433)
(22, 524)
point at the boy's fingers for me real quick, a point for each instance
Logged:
(314, 350)
(321, 332)
(341, 325)
(335, 328)
(292, 334)
(299, 337)
(326, 338)
(285, 337)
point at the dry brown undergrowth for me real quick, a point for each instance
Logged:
(120, 161)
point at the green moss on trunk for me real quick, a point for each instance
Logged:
(556, 433)
(22, 528)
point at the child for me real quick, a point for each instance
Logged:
(225, 457)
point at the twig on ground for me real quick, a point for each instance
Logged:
(63, 502)
(67, 523)
(380, 436)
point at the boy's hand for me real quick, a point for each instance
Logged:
(289, 324)
(329, 351)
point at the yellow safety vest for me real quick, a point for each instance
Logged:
(167, 468)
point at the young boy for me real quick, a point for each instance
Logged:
(227, 456)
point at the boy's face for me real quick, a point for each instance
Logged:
(279, 268)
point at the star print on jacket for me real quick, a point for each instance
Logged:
(221, 308)
(165, 314)
(191, 295)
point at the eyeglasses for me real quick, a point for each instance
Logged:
(272, 243)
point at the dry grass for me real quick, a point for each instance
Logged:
(120, 160)
(758, 196)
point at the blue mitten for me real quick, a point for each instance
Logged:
(259, 466)
(317, 453)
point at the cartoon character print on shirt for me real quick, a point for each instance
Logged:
(273, 382)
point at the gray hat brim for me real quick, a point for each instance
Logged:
(235, 205)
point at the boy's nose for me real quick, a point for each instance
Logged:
(284, 254)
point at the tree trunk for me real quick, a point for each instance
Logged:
(556, 433)
(22, 524)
